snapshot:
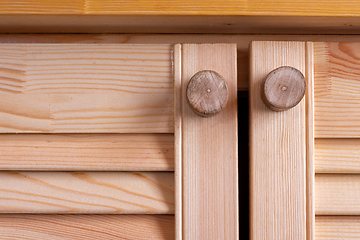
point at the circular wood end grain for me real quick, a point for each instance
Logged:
(284, 88)
(207, 93)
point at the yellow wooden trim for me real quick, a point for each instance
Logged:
(185, 7)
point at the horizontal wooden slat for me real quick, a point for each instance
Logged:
(337, 90)
(337, 227)
(86, 88)
(86, 68)
(87, 152)
(87, 192)
(86, 113)
(21, 226)
(337, 194)
(337, 155)
(241, 40)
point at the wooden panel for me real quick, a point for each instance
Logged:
(86, 113)
(91, 192)
(19, 226)
(277, 150)
(178, 141)
(86, 88)
(337, 227)
(86, 68)
(337, 91)
(337, 194)
(242, 42)
(337, 155)
(184, 7)
(87, 152)
(310, 158)
(209, 149)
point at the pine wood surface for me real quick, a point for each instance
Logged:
(87, 152)
(209, 168)
(242, 42)
(184, 7)
(337, 194)
(337, 155)
(337, 227)
(178, 141)
(86, 88)
(277, 168)
(87, 192)
(337, 90)
(27, 226)
(310, 155)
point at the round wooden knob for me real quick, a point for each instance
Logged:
(207, 93)
(284, 88)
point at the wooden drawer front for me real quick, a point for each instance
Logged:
(99, 129)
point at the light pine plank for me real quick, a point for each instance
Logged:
(241, 40)
(87, 152)
(337, 194)
(310, 158)
(337, 227)
(86, 88)
(337, 91)
(178, 141)
(277, 150)
(209, 149)
(86, 68)
(337, 155)
(87, 192)
(86, 113)
(21, 226)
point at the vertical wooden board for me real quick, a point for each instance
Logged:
(209, 150)
(310, 155)
(178, 141)
(277, 150)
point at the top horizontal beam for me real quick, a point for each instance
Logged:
(314, 8)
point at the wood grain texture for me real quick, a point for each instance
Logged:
(337, 194)
(86, 68)
(86, 88)
(178, 141)
(310, 155)
(86, 113)
(337, 227)
(284, 88)
(337, 155)
(277, 150)
(183, 7)
(241, 40)
(209, 150)
(122, 23)
(87, 192)
(207, 93)
(21, 226)
(87, 152)
(337, 91)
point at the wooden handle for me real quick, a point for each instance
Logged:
(207, 93)
(283, 89)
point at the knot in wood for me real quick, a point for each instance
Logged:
(207, 93)
(284, 88)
